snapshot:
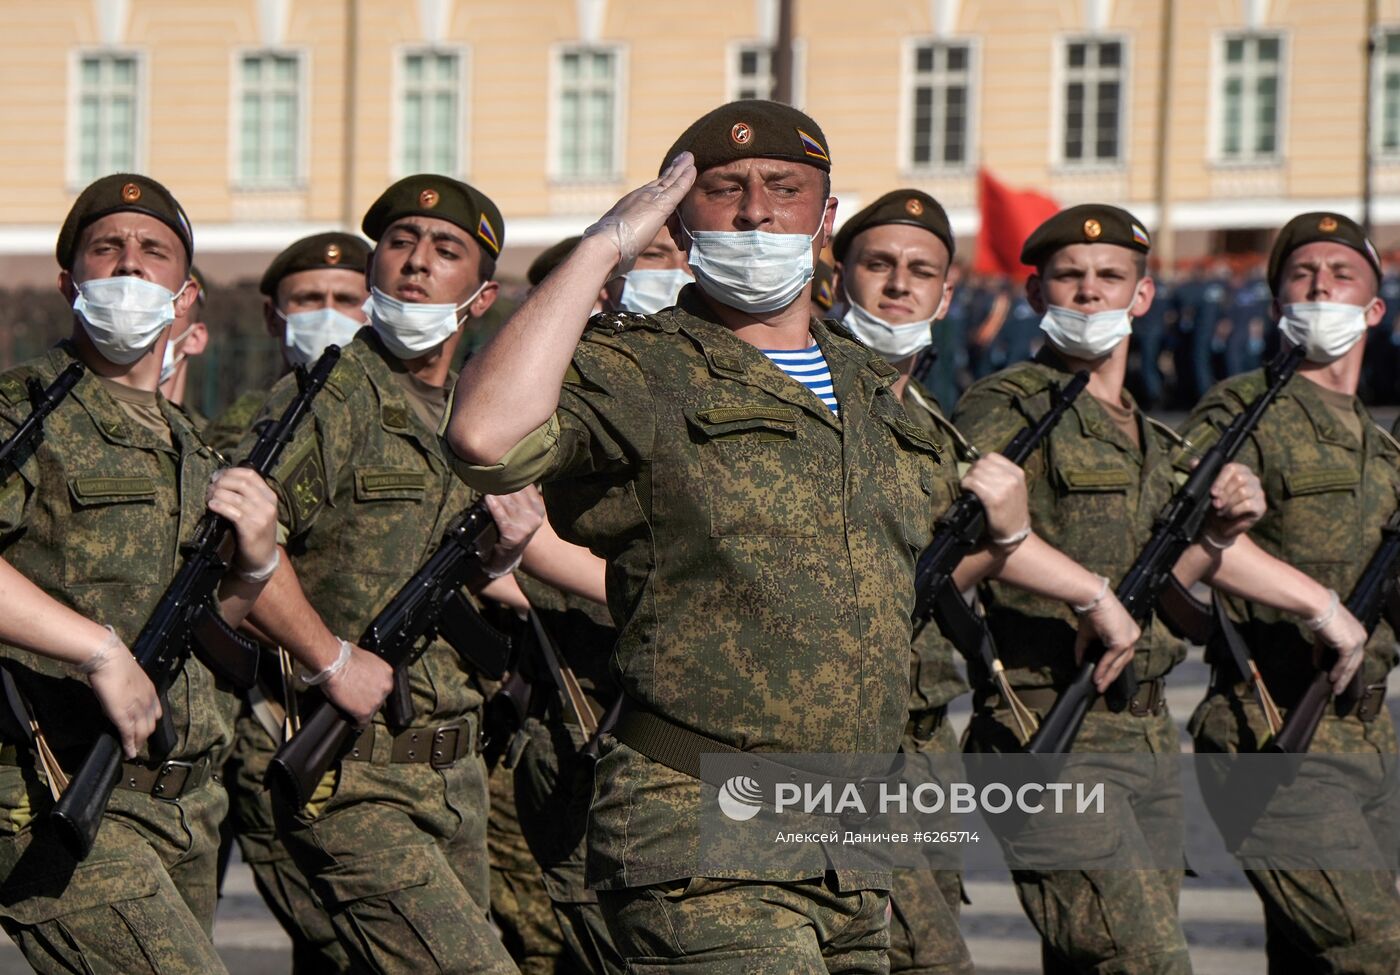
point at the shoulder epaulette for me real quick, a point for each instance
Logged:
(839, 328)
(1024, 379)
(1387, 437)
(616, 322)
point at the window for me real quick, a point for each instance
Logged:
(1093, 102)
(1251, 78)
(1386, 126)
(269, 126)
(431, 112)
(940, 105)
(587, 122)
(751, 70)
(107, 115)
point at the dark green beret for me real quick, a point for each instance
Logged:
(113, 194)
(913, 207)
(550, 259)
(426, 195)
(1309, 228)
(752, 129)
(335, 251)
(1088, 223)
(824, 285)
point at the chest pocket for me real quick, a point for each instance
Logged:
(760, 475)
(923, 494)
(1319, 514)
(390, 518)
(108, 531)
(1092, 518)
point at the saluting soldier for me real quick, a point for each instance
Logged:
(894, 257)
(723, 456)
(90, 528)
(1331, 478)
(1095, 486)
(394, 840)
(314, 293)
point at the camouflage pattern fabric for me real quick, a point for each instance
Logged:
(94, 518)
(715, 927)
(283, 886)
(520, 903)
(226, 431)
(397, 853)
(1328, 496)
(673, 436)
(1093, 494)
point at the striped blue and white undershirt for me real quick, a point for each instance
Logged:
(807, 366)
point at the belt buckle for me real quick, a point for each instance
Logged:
(167, 769)
(443, 756)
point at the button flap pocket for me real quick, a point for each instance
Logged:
(95, 489)
(1094, 479)
(1319, 480)
(389, 484)
(754, 424)
(374, 875)
(915, 437)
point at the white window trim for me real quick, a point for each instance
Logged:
(72, 176)
(301, 178)
(464, 118)
(556, 53)
(905, 162)
(1059, 77)
(1216, 96)
(1380, 154)
(732, 78)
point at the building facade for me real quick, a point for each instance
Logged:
(1213, 120)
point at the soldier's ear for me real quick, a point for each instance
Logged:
(1035, 294)
(66, 286)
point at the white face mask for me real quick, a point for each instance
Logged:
(309, 332)
(1325, 329)
(1086, 336)
(171, 360)
(894, 342)
(124, 316)
(410, 329)
(645, 291)
(752, 270)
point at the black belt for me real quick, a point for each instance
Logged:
(441, 746)
(1149, 701)
(1367, 708)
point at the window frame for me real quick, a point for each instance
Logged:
(733, 79)
(908, 82)
(554, 141)
(1216, 139)
(302, 140)
(463, 53)
(1060, 78)
(1378, 149)
(73, 174)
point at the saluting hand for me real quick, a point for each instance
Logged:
(639, 216)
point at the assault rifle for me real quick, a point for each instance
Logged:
(1177, 527)
(428, 604)
(1366, 601)
(187, 612)
(42, 401)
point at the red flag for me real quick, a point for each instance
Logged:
(1008, 217)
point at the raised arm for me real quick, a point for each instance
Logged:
(512, 386)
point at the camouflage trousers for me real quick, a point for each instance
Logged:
(141, 902)
(1324, 920)
(924, 934)
(397, 854)
(704, 926)
(520, 902)
(284, 888)
(1106, 920)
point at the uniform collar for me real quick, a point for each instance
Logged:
(107, 415)
(1325, 423)
(396, 415)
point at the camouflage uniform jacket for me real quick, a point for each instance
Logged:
(94, 518)
(760, 554)
(1093, 495)
(1328, 497)
(364, 496)
(226, 431)
(934, 677)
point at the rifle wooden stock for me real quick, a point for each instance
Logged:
(1366, 601)
(397, 634)
(164, 640)
(1176, 528)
